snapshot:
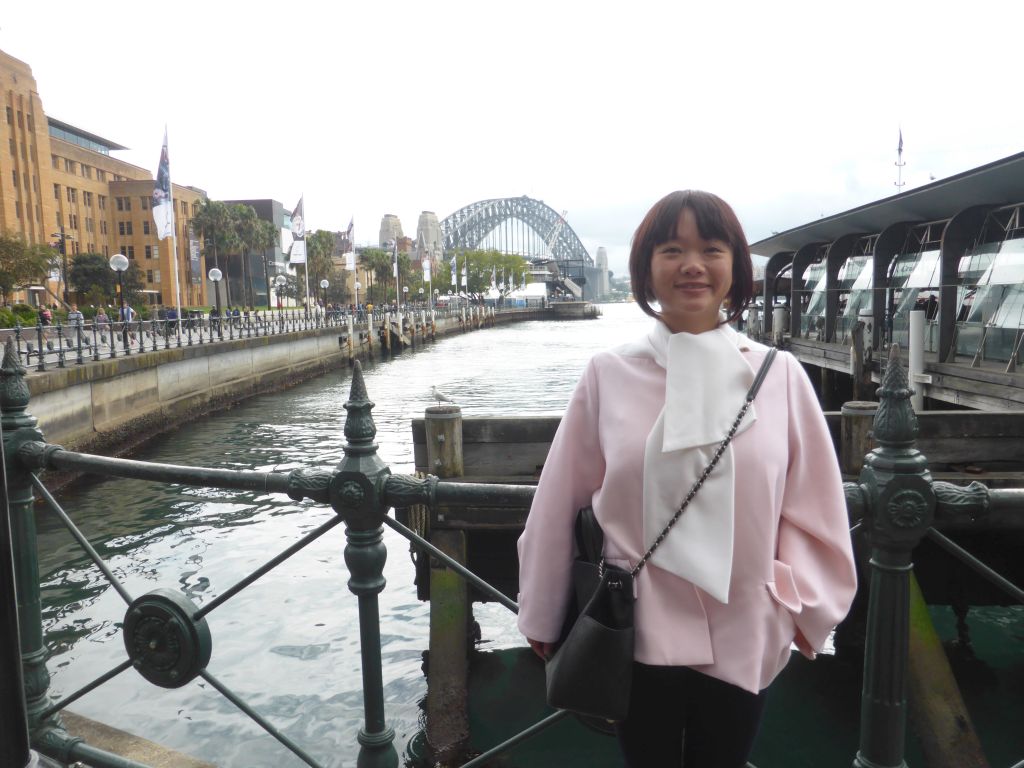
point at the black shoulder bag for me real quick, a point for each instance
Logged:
(591, 673)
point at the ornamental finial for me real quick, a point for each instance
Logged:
(895, 422)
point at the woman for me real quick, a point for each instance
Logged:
(760, 559)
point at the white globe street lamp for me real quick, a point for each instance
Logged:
(215, 276)
(119, 263)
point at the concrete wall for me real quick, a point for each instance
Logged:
(109, 405)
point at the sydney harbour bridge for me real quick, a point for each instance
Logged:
(518, 225)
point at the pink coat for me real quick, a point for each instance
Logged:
(793, 565)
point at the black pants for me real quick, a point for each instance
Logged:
(680, 717)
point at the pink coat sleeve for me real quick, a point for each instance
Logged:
(573, 470)
(815, 574)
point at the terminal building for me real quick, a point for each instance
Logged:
(953, 249)
(59, 184)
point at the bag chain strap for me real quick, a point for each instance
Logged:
(711, 465)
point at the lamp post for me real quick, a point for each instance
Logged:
(62, 246)
(279, 283)
(357, 286)
(394, 255)
(119, 263)
(324, 285)
(405, 296)
(215, 276)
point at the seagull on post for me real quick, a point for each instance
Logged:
(440, 396)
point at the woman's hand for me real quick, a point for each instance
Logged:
(544, 650)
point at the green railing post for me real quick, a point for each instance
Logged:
(19, 427)
(356, 494)
(899, 504)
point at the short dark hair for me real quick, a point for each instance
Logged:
(715, 220)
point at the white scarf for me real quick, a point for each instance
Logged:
(707, 379)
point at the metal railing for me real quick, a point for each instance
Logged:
(169, 643)
(61, 345)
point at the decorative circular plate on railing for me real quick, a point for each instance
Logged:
(164, 643)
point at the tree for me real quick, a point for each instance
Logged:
(21, 263)
(213, 219)
(246, 225)
(319, 247)
(377, 264)
(90, 273)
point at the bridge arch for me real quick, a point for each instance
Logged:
(471, 226)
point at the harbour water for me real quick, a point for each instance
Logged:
(288, 644)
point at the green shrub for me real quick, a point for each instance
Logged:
(6, 318)
(25, 314)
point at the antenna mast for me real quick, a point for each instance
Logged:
(899, 165)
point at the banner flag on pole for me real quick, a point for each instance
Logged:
(298, 251)
(350, 261)
(465, 280)
(455, 268)
(394, 262)
(900, 147)
(348, 235)
(163, 205)
(426, 270)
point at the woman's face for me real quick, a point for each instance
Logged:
(690, 277)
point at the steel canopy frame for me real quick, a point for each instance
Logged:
(469, 226)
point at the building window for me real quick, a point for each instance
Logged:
(24, 152)
(39, 214)
(103, 226)
(101, 175)
(120, 203)
(31, 123)
(17, 209)
(56, 161)
(10, 116)
(184, 208)
(86, 171)
(145, 227)
(35, 183)
(149, 275)
(106, 250)
(87, 198)
(124, 227)
(149, 251)
(73, 220)
(69, 165)
(101, 200)
(156, 276)
(14, 148)
(74, 247)
(14, 175)
(92, 247)
(144, 202)
(21, 119)
(72, 195)
(129, 251)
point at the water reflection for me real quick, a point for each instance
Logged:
(289, 643)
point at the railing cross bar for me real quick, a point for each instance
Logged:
(228, 694)
(67, 700)
(266, 567)
(455, 565)
(519, 737)
(962, 554)
(82, 541)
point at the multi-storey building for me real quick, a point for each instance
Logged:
(60, 185)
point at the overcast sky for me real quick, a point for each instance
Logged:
(789, 110)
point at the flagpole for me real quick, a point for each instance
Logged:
(174, 234)
(305, 229)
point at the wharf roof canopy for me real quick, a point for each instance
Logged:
(997, 183)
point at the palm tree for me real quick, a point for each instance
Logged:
(247, 228)
(214, 220)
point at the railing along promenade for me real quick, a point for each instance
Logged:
(168, 642)
(62, 345)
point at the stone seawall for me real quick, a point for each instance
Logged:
(111, 405)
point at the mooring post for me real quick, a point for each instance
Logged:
(351, 340)
(855, 436)
(447, 664)
(355, 494)
(387, 332)
(19, 427)
(899, 505)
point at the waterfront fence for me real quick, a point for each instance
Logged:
(167, 640)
